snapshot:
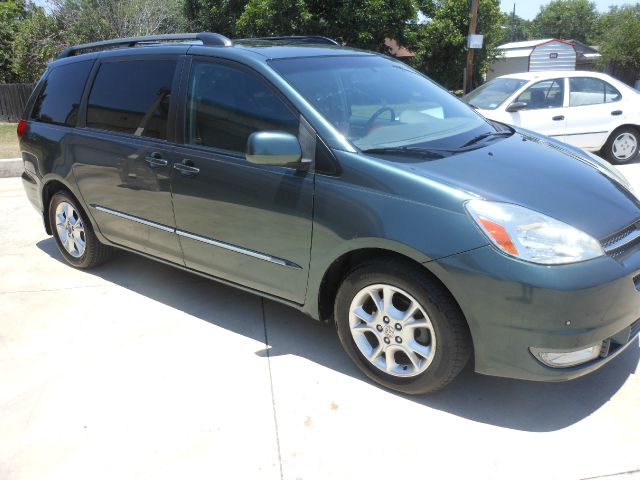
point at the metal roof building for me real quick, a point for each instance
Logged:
(541, 55)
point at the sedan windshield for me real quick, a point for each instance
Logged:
(378, 103)
(490, 95)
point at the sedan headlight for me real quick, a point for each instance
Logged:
(532, 236)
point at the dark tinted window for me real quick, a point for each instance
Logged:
(132, 97)
(225, 105)
(59, 99)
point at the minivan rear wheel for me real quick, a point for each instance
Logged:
(401, 327)
(74, 234)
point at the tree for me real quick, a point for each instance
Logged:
(214, 15)
(12, 12)
(440, 42)
(566, 19)
(516, 29)
(92, 20)
(358, 23)
(620, 36)
(37, 41)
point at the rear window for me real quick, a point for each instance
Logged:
(59, 99)
(132, 97)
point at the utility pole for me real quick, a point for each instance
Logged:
(472, 30)
(513, 24)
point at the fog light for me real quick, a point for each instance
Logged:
(566, 358)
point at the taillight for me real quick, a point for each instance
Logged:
(22, 126)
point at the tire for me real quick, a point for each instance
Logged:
(438, 330)
(66, 216)
(622, 146)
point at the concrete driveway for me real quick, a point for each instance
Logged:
(139, 370)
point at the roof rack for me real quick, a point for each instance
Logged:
(207, 38)
(317, 39)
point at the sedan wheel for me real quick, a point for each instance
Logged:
(622, 147)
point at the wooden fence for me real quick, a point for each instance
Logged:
(13, 98)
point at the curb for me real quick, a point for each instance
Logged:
(11, 167)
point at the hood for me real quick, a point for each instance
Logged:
(543, 175)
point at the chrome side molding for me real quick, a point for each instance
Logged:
(126, 216)
(199, 238)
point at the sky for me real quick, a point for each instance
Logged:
(528, 9)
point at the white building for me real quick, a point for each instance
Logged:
(540, 55)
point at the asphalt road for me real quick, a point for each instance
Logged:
(137, 370)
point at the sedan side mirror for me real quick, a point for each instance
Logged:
(517, 106)
(273, 148)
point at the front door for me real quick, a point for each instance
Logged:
(249, 224)
(545, 113)
(122, 161)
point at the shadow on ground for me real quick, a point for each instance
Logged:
(515, 404)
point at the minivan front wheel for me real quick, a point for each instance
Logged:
(73, 233)
(401, 327)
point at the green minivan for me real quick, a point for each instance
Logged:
(347, 185)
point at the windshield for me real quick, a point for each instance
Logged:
(376, 102)
(490, 95)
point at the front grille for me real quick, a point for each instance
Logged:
(622, 241)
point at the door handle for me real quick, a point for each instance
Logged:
(186, 168)
(616, 112)
(155, 160)
(558, 118)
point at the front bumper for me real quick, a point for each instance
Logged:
(512, 306)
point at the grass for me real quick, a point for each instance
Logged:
(8, 141)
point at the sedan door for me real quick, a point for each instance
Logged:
(245, 223)
(544, 112)
(595, 110)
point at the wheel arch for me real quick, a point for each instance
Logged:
(621, 127)
(606, 150)
(49, 189)
(341, 266)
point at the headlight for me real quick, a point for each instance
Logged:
(532, 236)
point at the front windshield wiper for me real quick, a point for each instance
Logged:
(482, 136)
(434, 153)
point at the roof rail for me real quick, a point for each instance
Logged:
(317, 39)
(207, 38)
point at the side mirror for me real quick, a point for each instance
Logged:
(273, 148)
(517, 106)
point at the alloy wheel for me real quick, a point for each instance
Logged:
(392, 330)
(70, 229)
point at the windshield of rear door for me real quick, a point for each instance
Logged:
(490, 95)
(377, 102)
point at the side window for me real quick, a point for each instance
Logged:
(611, 94)
(225, 105)
(545, 94)
(132, 97)
(591, 91)
(59, 100)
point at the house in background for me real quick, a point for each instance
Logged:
(541, 55)
(401, 53)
